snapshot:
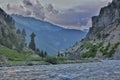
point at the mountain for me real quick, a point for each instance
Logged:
(49, 37)
(103, 38)
(8, 36)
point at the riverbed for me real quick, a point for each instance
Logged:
(103, 70)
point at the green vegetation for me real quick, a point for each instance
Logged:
(106, 51)
(112, 51)
(109, 50)
(61, 54)
(52, 60)
(41, 53)
(92, 49)
(86, 45)
(56, 60)
(32, 43)
(24, 34)
(16, 58)
(88, 55)
(99, 36)
(13, 49)
(105, 35)
(12, 40)
(100, 44)
(91, 53)
(13, 55)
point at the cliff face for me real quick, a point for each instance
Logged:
(107, 16)
(103, 39)
(8, 36)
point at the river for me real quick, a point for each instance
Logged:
(104, 70)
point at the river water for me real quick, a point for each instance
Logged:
(104, 70)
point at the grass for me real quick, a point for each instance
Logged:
(13, 55)
(17, 58)
(27, 62)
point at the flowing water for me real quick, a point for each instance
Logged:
(104, 70)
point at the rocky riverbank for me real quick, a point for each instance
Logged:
(104, 70)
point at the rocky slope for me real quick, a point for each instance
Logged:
(103, 39)
(8, 36)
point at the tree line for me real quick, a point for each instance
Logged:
(22, 34)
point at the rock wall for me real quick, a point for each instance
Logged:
(104, 36)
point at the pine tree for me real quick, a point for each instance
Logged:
(58, 55)
(18, 31)
(23, 34)
(45, 54)
(42, 54)
(38, 52)
(32, 43)
(3, 31)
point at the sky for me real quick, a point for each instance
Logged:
(72, 14)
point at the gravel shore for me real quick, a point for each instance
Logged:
(104, 70)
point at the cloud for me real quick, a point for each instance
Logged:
(75, 17)
(30, 8)
(79, 17)
(71, 19)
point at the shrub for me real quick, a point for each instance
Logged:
(112, 51)
(99, 36)
(51, 60)
(105, 35)
(87, 45)
(88, 55)
(109, 53)
(100, 44)
(91, 53)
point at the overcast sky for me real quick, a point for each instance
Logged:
(73, 14)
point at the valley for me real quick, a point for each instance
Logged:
(49, 37)
(33, 49)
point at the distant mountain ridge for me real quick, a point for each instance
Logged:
(50, 37)
(103, 38)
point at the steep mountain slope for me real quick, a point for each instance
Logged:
(103, 39)
(8, 36)
(49, 37)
